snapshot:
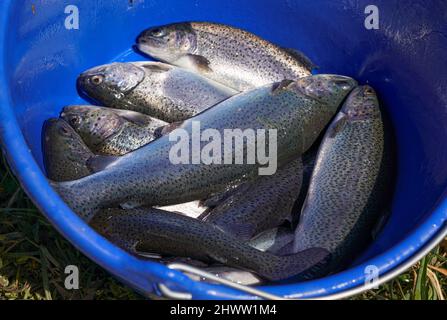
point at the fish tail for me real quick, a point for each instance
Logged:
(302, 265)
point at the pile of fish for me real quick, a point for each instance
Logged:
(111, 163)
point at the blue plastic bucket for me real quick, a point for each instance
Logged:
(405, 60)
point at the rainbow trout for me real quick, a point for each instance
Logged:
(347, 189)
(168, 233)
(234, 57)
(109, 131)
(153, 88)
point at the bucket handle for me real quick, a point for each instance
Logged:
(171, 294)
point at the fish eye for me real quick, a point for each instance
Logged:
(97, 79)
(157, 32)
(74, 121)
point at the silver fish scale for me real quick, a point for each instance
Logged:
(261, 204)
(130, 138)
(173, 95)
(242, 60)
(109, 131)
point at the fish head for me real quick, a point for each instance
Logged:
(169, 42)
(94, 124)
(63, 146)
(110, 82)
(65, 153)
(361, 104)
(60, 136)
(327, 88)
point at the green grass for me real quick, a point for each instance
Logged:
(33, 257)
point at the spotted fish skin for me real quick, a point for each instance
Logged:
(130, 138)
(231, 56)
(109, 131)
(65, 154)
(309, 159)
(298, 110)
(168, 233)
(260, 204)
(347, 188)
(153, 88)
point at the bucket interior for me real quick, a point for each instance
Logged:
(402, 60)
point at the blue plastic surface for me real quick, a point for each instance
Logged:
(405, 60)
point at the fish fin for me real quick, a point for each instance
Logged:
(134, 117)
(161, 131)
(98, 163)
(216, 199)
(209, 202)
(288, 215)
(214, 256)
(138, 248)
(302, 58)
(277, 87)
(154, 256)
(243, 231)
(131, 205)
(337, 127)
(158, 132)
(304, 265)
(204, 215)
(156, 67)
(196, 61)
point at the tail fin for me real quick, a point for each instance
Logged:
(303, 265)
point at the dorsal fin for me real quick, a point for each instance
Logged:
(161, 131)
(156, 67)
(302, 58)
(337, 126)
(134, 117)
(283, 84)
(98, 163)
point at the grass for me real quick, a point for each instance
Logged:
(33, 257)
